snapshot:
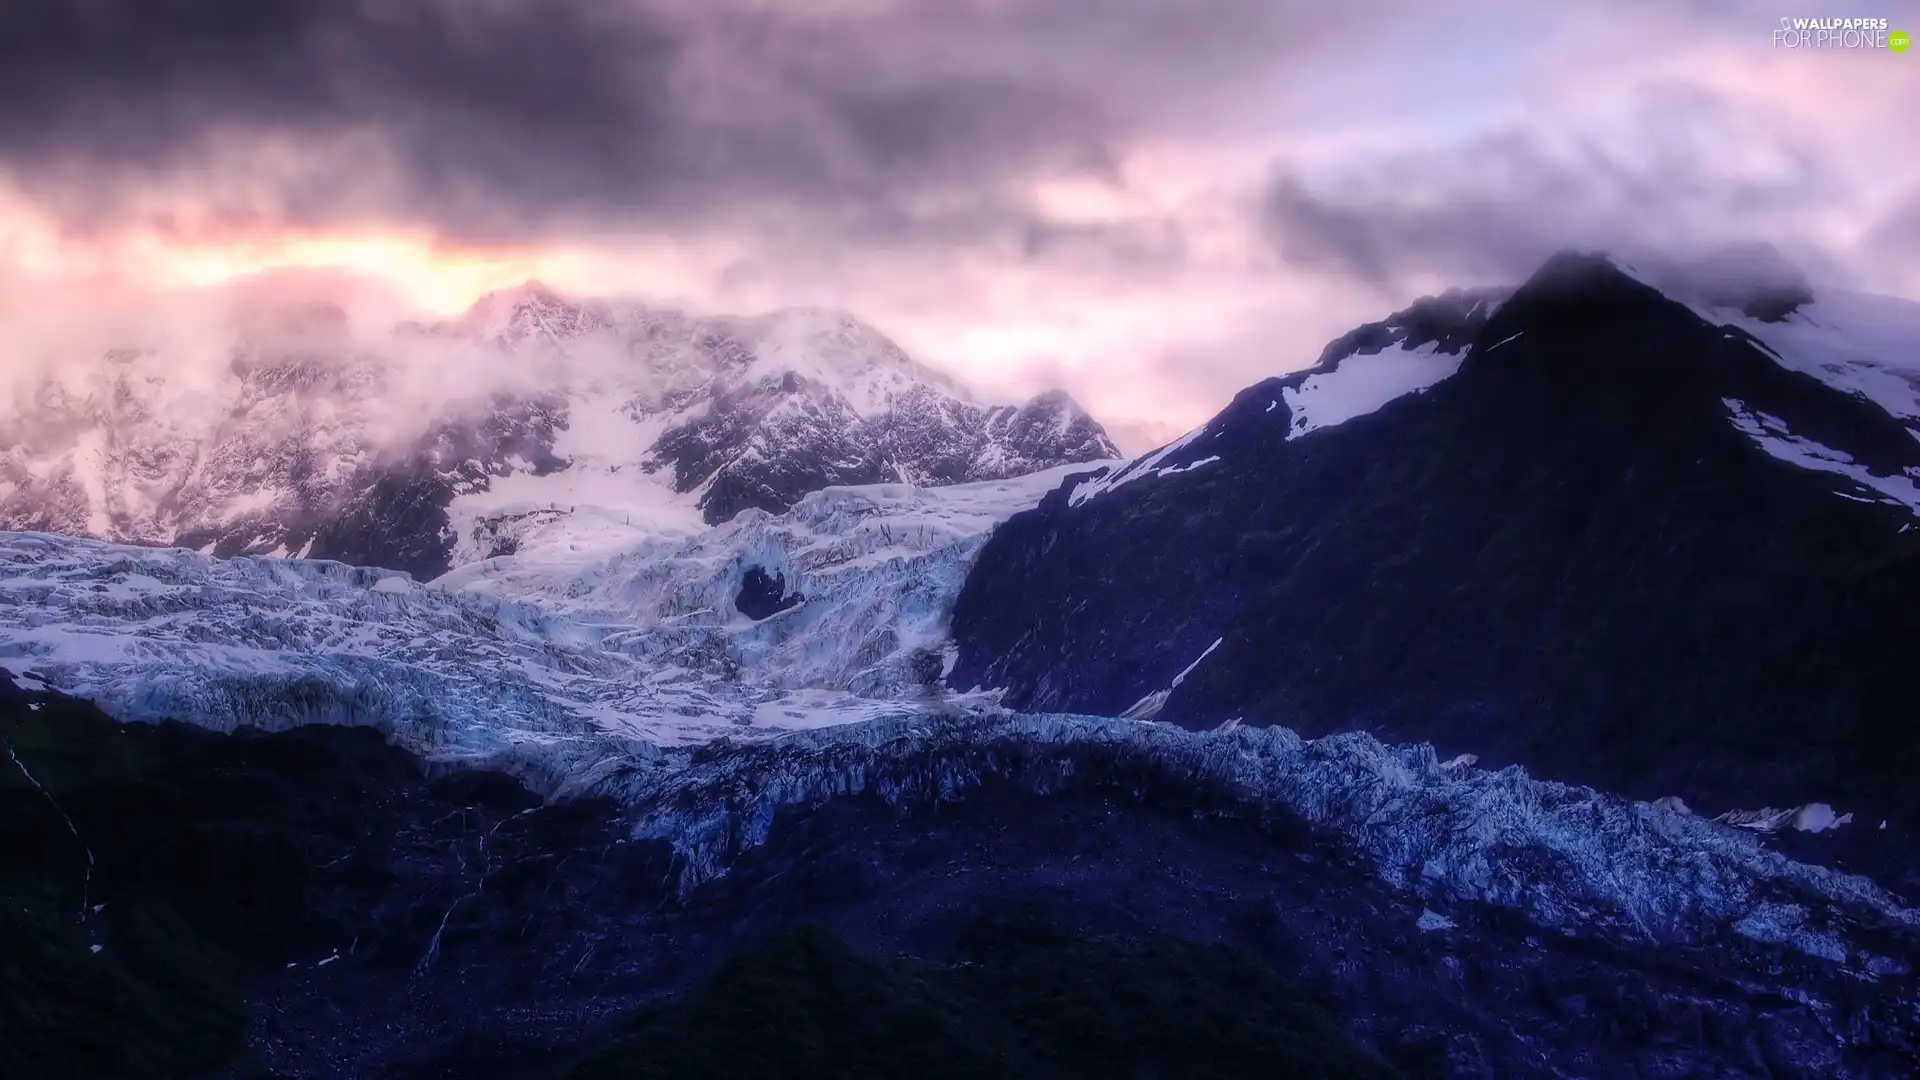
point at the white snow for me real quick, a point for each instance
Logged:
(1505, 340)
(1124, 474)
(1770, 434)
(1365, 382)
(1862, 344)
(90, 472)
(1190, 466)
(1188, 670)
(1431, 921)
(1149, 707)
(833, 348)
(158, 454)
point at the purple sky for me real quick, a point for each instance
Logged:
(1150, 202)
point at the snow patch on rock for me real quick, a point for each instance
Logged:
(1364, 383)
(1770, 434)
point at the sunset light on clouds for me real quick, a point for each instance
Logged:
(1148, 203)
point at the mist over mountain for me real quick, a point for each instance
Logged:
(287, 426)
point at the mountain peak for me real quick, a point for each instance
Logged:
(1572, 270)
(531, 310)
(1751, 277)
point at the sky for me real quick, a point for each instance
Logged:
(1149, 203)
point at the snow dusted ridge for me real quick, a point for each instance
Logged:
(1324, 396)
(1566, 856)
(1866, 345)
(562, 657)
(1862, 345)
(1358, 374)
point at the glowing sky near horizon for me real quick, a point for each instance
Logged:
(1149, 202)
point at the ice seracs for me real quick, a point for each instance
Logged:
(1564, 856)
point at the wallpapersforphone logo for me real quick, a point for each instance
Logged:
(1839, 34)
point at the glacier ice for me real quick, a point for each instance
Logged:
(548, 655)
(1566, 856)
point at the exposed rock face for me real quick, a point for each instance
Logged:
(1596, 531)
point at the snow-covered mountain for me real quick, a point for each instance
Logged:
(1649, 530)
(425, 447)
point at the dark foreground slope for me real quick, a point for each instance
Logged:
(1019, 997)
(313, 904)
(1567, 555)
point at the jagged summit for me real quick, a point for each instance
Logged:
(531, 311)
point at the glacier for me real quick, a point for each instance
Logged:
(1566, 856)
(572, 653)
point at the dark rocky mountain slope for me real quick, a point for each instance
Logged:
(1597, 534)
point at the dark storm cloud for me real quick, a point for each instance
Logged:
(489, 112)
(1694, 171)
(505, 116)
